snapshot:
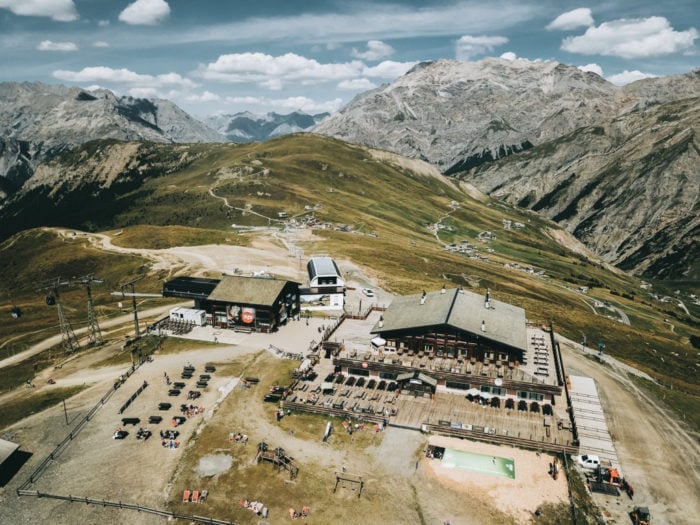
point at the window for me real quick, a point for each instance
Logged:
(535, 396)
(441, 350)
(358, 371)
(502, 357)
(428, 348)
(387, 375)
(495, 390)
(489, 355)
(455, 384)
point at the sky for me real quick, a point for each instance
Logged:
(226, 56)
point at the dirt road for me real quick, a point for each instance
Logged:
(657, 455)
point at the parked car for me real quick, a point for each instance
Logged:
(641, 516)
(368, 292)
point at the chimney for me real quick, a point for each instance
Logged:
(443, 289)
(381, 321)
(422, 298)
(483, 326)
(487, 300)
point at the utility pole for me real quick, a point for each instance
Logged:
(123, 286)
(68, 340)
(94, 333)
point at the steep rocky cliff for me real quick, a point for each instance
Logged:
(627, 187)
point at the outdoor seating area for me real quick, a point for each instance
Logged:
(194, 496)
(256, 506)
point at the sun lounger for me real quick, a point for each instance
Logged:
(185, 496)
(203, 496)
(195, 496)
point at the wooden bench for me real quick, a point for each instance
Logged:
(130, 421)
(179, 385)
(154, 420)
(174, 392)
(164, 406)
(202, 384)
(210, 369)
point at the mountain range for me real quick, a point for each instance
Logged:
(616, 166)
(248, 127)
(39, 121)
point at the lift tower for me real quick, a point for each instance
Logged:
(123, 287)
(68, 339)
(94, 333)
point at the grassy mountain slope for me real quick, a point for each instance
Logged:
(379, 212)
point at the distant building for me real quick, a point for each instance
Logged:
(239, 302)
(326, 289)
(324, 276)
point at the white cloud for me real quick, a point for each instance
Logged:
(274, 72)
(628, 76)
(207, 96)
(103, 23)
(376, 50)
(356, 84)
(100, 43)
(388, 69)
(388, 20)
(124, 76)
(287, 104)
(48, 45)
(145, 12)
(592, 68)
(580, 17)
(632, 38)
(59, 10)
(470, 46)
(509, 55)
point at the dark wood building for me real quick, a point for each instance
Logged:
(238, 302)
(457, 324)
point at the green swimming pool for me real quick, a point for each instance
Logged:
(474, 462)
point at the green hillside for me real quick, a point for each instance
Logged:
(377, 213)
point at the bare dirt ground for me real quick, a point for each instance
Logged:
(655, 452)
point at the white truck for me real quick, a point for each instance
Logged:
(587, 461)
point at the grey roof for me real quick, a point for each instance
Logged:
(247, 290)
(503, 322)
(6, 449)
(322, 267)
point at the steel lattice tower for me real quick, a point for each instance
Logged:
(94, 332)
(68, 340)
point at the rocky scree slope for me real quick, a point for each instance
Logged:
(628, 187)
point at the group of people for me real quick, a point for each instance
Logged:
(237, 437)
(255, 506)
(303, 514)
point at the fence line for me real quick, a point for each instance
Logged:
(39, 470)
(502, 440)
(127, 506)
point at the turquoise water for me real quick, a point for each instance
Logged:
(474, 462)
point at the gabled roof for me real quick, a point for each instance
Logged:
(460, 309)
(249, 290)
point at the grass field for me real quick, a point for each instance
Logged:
(379, 214)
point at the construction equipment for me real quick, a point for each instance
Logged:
(641, 516)
(610, 476)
